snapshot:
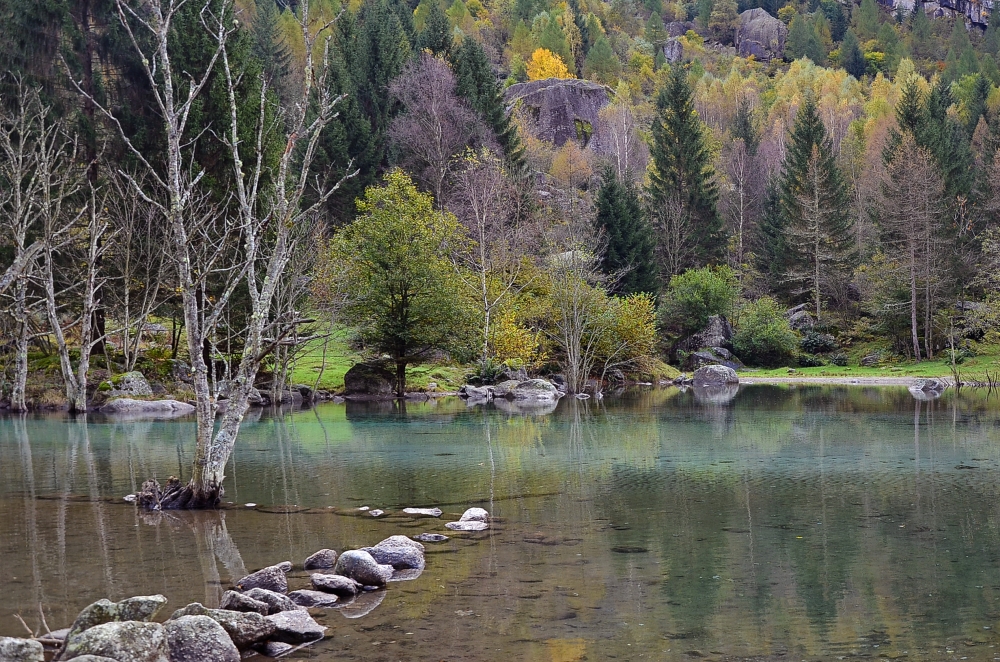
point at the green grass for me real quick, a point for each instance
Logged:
(972, 368)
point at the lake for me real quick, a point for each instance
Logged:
(785, 523)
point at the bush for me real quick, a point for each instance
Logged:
(762, 336)
(697, 294)
(810, 361)
(818, 343)
(839, 359)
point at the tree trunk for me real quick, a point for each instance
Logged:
(400, 378)
(17, 401)
(913, 302)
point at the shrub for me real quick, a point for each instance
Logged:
(839, 359)
(810, 361)
(697, 294)
(818, 343)
(762, 335)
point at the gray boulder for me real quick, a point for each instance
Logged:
(475, 515)
(271, 578)
(717, 333)
(430, 537)
(475, 393)
(673, 50)
(715, 375)
(713, 356)
(307, 598)
(276, 602)
(130, 384)
(801, 320)
(530, 390)
(336, 584)
(276, 648)
(199, 639)
(158, 408)
(423, 512)
(563, 109)
(235, 601)
(370, 379)
(761, 35)
(244, 628)
(321, 560)
(680, 28)
(473, 519)
(137, 608)
(362, 568)
(505, 388)
(398, 551)
(21, 650)
(128, 640)
(928, 385)
(296, 627)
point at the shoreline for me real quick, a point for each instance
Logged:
(839, 381)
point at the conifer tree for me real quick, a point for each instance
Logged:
(601, 64)
(681, 177)
(554, 39)
(744, 128)
(436, 36)
(630, 244)
(772, 254)
(820, 243)
(851, 58)
(865, 20)
(269, 45)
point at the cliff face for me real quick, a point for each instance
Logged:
(976, 11)
(761, 35)
(561, 108)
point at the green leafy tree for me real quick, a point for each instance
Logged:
(554, 39)
(762, 335)
(436, 36)
(851, 58)
(814, 202)
(724, 20)
(629, 251)
(602, 64)
(697, 294)
(391, 269)
(681, 180)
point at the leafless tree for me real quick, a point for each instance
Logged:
(619, 131)
(671, 224)
(436, 125)
(742, 197)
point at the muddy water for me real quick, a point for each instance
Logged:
(784, 523)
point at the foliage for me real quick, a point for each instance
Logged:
(628, 257)
(762, 335)
(546, 64)
(815, 342)
(697, 294)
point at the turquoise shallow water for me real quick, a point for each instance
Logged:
(783, 523)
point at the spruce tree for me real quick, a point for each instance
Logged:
(629, 252)
(682, 174)
(851, 58)
(744, 128)
(436, 36)
(269, 45)
(602, 63)
(814, 203)
(865, 20)
(772, 253)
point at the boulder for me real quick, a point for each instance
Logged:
(715, 375)
(871, 360)
(398, 551)
(271, 578)
(424, 512)
(370, 379)
(362, 568)
(336, 584)
(530, 390)
(235, 601)
(430, 537)
(130, 384)
(276, 648)
(473, 519)
(505, 388)
(321, 560)
(680, 28)
(673, 50)
(276, 602)
(927, 385)
(244, 628)
(712, 356)
(475, 515)
(137, 608)
(296, 627)
(801, 320)
(159, 408)
(717, 333)
(470, 392)
(562, 109)
(761, 35)
(467, 526)
(129, 640)
(199, 639)
(21, 650)
(307, 598)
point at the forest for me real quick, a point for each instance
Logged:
(209, 190)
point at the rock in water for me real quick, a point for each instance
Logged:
(430, 537)
(276, 648)
(20, 650)
(336, 584)
(474, 393)
(467, 526)
(276, 602)
(715, 375)
(473, 519)
(928, 385)
(234, 601)
(244, 628)
(475, 515)
(321, 560)
(362, 605)
(271, 578)
(307, 598)
(296, 627)
(426, 512)
(138, 608)
(398, 551)
(199, 639)
(129, 640)
(361, 567)
(147, 407)
(369, 379)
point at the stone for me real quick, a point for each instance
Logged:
(362, 568)
(715, 375)
(129, 640)
(271, 578)
(531, 390)
(21, 650)
(199, 639)
(467, 526)
(470, 392)
(276, 648)
(130, 384)
(321, 560)
(159, 408)
(430, 537)
(235, 601)
(406, 574)
(680, 28)
(562, 109)
(673, 50)
(426, 512)
(398, 551)
(713, 356)
(276, 602)
(336, 584)
(244, 628)
(761, 35)
(285, 566)
(370, 379)
(717, 333)
(928, 385)
(801, 320)
(296, 627)
(475, 515)
(307, 598)
(137, 608)
(871, 360)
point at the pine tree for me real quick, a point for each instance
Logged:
(865, 20)
(681, 176)
(269, 45)
(977, 103)
(629, 251)
(921, 34)
(772, 253)
(851, 58)
(601, 64)
(814, 204)
(745, 128)
(946, 139)
(436, 36)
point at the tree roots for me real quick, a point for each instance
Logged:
(175, 496)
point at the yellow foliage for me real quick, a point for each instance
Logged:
(546, 64)
(514, 344)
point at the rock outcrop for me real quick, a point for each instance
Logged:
(562, 109)
(761, 35)
(370, 380)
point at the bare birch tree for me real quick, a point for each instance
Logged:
(672, 226)
(742, 198)
(619, 130)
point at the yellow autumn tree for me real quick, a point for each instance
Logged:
(546, 64)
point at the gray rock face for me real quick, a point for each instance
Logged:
(713, 356)
(271, 578)
(430, 537)
(321, 560)
(128, 640)
(129, 406)
(21, 650)
(307, 598)
(370, 379)
(296, 627)
(138, 608)
(673, 50)
(679, 28)
(336, 584)
(235, 601)
(715, 375)
(131, 384)
(761, 35)
(362, 568)
(199, 639)
(801, 320)
(717, 333)
(276, 602)
(562, 109)
(244, 628)
(398, 551)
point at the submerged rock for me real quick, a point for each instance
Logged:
(307, 598)
(199, 639)
(363, 568)
(426, 512)
(336, 584)
(398, 551)
(362, 605)
(21, 650)
(430, 537)
(271, 578)
(296, 627)
(276, 648)
(473, 519)
(128, 640)
(244, 628)
(235, 601)
(148, 407)
(321, 560)
(276, 602)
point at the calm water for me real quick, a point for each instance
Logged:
(788, 523)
